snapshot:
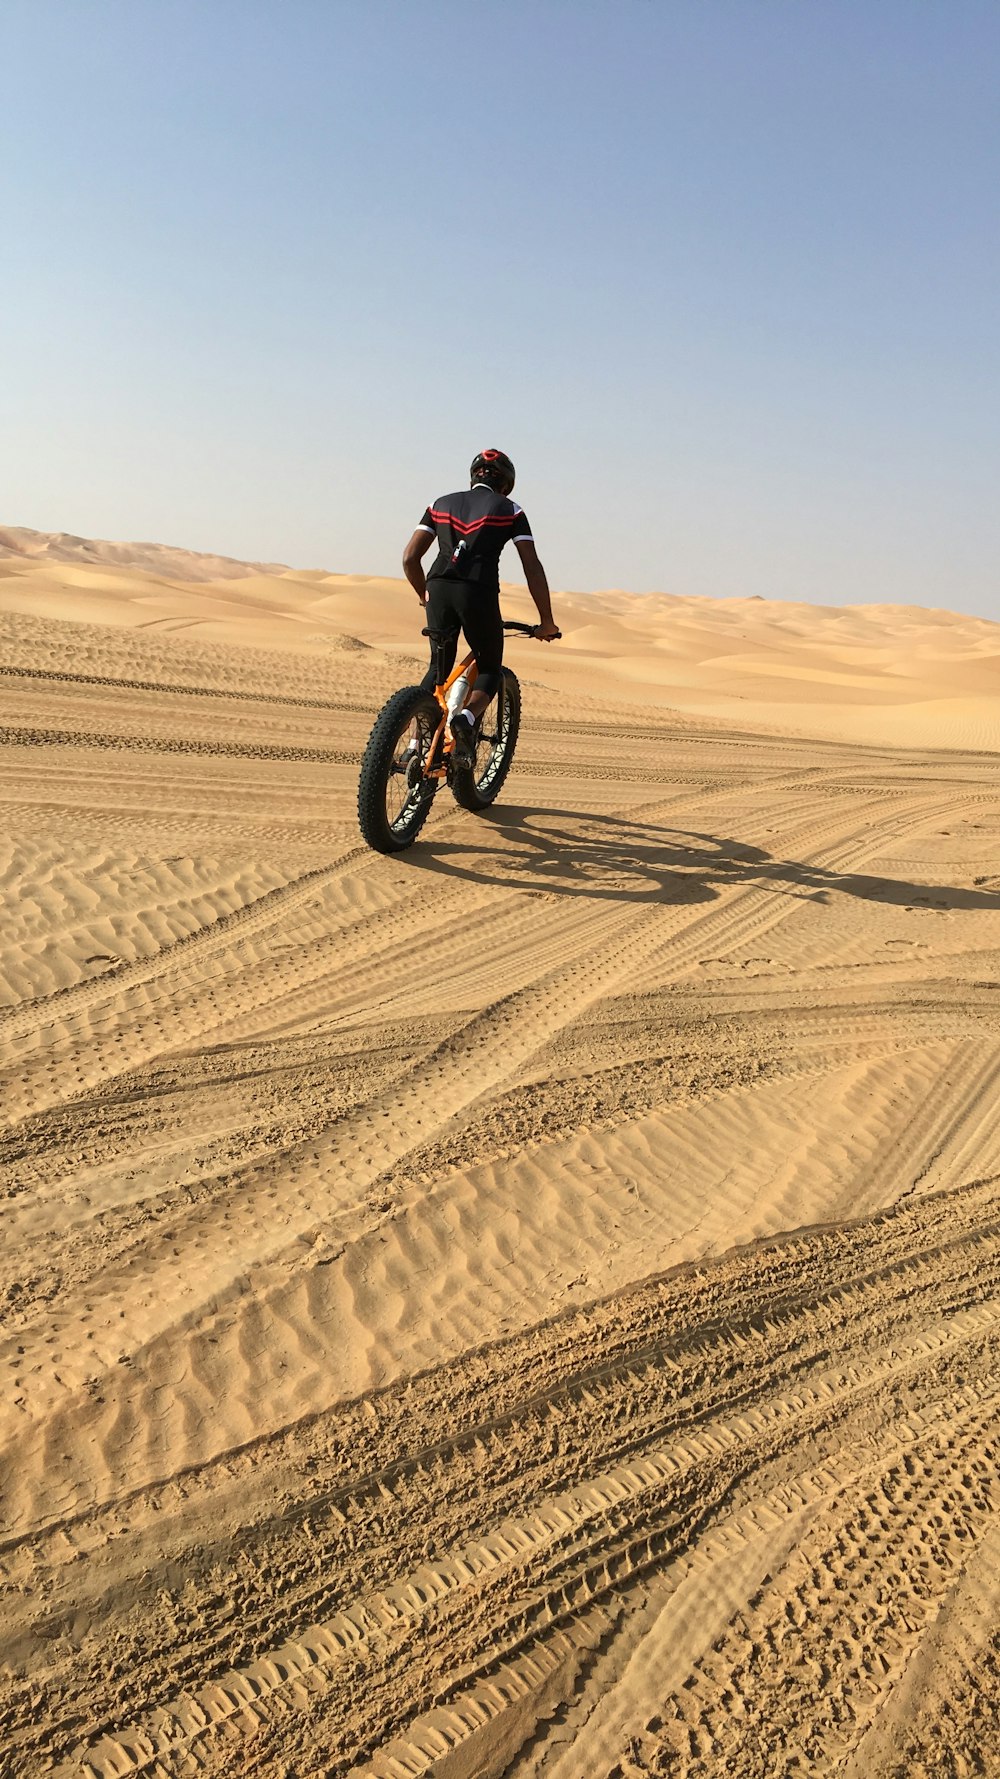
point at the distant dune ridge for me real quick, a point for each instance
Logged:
(528, 1307)
(901, 675)
(165, 559)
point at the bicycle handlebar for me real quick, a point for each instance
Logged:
(528, 629)
(512, 624)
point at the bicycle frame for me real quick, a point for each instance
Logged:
(442, 746)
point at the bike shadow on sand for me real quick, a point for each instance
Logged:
(568, 852)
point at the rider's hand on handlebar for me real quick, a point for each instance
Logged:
(547, 632)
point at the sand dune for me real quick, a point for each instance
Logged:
(527, 1307)
(895, 674)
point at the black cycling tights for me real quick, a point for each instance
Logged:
(461, 605)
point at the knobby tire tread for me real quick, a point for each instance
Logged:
(464, 787)
(378, 756)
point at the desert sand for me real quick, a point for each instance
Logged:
(531, 1306)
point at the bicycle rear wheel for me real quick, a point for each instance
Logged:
(498, 731)
(394, 798)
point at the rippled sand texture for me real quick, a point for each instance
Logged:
(531, 1307)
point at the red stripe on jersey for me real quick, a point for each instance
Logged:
(442, 518)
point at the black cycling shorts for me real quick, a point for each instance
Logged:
(454, 606)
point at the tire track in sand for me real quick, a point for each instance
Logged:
(185, 1275)
(803, 1398)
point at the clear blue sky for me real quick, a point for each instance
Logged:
(721, 276)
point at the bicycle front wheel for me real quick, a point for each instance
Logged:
(482, 782)
(394, 797)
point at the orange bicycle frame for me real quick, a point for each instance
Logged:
(442, 744)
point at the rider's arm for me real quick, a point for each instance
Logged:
(413, 555)
(538, 586)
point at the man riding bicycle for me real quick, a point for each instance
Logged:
(462, 589)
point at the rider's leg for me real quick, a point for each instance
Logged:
(443, 625)
(483, 628)
(478, 699)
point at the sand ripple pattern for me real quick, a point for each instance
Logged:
(532, 1307)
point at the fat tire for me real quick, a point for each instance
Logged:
(478, 793)
(395, 716)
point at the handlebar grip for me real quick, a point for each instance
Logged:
(527, 629)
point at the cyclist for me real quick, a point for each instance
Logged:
(462, 589)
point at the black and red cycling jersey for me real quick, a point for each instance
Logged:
(471, 528)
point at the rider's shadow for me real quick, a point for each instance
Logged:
(567, 852)
(564, 852)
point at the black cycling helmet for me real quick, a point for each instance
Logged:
(495, 469)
